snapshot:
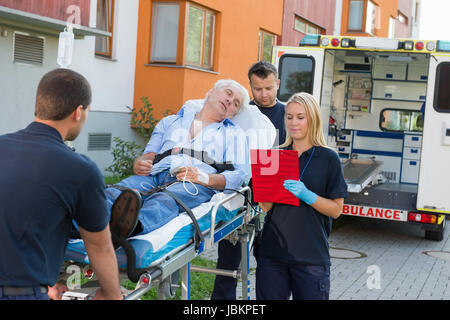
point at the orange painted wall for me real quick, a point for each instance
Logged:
(236, 47)
(387, 8)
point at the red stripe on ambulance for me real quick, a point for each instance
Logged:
(377, 213)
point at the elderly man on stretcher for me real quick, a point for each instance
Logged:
(193, 155)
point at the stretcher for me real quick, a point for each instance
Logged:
(225, 216)
(156, 259)
(359, 173)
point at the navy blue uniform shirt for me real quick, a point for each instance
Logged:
(43, 186)
(276, 115)
(299, 235)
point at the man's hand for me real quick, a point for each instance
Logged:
(104, 262)
(192, 174)
(56, 292)
(143, 165)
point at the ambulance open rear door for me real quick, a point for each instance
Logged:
(302, 69)
(434, 176)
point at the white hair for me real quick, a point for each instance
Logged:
(232, 83)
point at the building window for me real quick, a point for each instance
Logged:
(391, 27)
(105, 22)
(303, 26)
(265, 46)
(363, 16)
(371, 17)
(200, 37)
(164, 32)
(355, 17)
(402, 18)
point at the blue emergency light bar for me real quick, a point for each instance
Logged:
(443, 46)
(310, 40)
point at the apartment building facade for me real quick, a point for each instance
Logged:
(306, 17)
(104, 52)
(185, 46)
(378, 18)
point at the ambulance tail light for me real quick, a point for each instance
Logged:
(419, 45)
(422, 217)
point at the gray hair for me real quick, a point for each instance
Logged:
(232, 83)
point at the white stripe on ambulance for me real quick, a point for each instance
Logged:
(373, 212)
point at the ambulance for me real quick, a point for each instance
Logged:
(387, 105)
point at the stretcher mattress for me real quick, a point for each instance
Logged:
(154, 247)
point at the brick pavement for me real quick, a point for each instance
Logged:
(392, 250)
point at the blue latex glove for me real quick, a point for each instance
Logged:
(300, 191)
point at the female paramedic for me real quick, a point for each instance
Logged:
(293, 256)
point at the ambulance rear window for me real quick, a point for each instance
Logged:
(400, 120)
(441, 91)
(296, 75)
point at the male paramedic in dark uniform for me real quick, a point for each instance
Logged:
(264, 83)
(43, 186)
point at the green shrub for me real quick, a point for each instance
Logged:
(125, 152)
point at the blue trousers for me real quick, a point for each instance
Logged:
(38, 295)
(229, 258)
(160, 208)
(277, 281)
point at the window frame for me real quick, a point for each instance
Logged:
(109, 53)
(363, 18)
(364, 21)
(261, 44)
(381, 117)
(152, 35)
(401, 16)
(308, 24)
(205, 11)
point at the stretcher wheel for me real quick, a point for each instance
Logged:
(168, 288)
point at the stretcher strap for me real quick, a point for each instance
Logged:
(199, 155)
(198, 236)
(132, 272)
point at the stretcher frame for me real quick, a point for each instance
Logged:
(164, 275)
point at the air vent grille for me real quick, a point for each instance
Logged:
(28, 49)
(99, 141)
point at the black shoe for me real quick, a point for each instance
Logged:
(125, 214)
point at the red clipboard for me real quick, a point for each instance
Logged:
(270, 168)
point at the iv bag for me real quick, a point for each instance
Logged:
(65, 47)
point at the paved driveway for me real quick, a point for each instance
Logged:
(380, 259)
(394, 266)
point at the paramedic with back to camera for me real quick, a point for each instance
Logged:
(43, 186)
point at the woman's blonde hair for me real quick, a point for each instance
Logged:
(315, 132)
